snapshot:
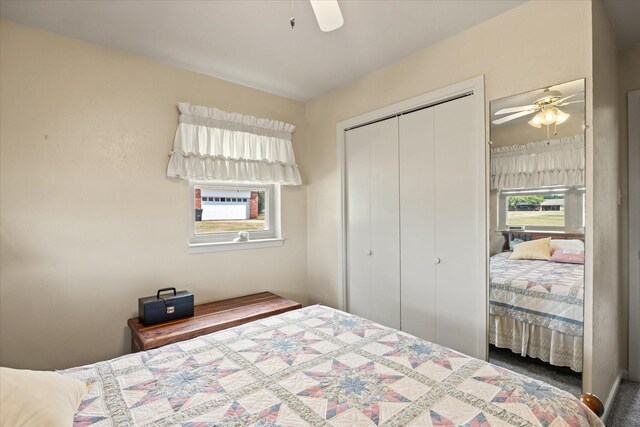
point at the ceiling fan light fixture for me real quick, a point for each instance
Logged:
(548, 116)
(561, 117)
(544, 110)
(328, 14)
(536, 122)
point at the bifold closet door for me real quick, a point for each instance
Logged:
(459, 284)
(442, 292)
(417, 223)
(373, 231)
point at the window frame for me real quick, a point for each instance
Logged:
(222, 241)
(573, 204)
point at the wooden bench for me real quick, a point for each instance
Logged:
(208, 318)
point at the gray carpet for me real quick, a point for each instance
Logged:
(563, 378)
(625, 411)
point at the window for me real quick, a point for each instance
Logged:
(254, 209)
(546, 210)
(542, 209)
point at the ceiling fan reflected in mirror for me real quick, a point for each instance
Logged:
(546, 109)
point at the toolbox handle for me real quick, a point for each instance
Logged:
(165, 290)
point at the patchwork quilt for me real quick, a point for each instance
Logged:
(313, 367)
(542, 293)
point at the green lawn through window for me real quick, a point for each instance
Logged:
(536, 218)
(221, 226)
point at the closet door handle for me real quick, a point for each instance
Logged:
(436, 260)
(369, 252)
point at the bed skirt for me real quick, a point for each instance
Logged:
(535, 341)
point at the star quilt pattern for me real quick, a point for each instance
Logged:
(315, 367)
(541, 293)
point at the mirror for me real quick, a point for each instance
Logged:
(537, 214)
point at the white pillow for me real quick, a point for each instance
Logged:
(574, 244)
(38, 398)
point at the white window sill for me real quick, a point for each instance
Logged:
(199, 248)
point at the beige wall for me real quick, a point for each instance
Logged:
(607, 339)
(628, 80)
(88, 220)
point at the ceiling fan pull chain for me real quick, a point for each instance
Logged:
(292, 20)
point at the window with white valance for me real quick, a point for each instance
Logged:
(214, 145)
(539, 164)
(235, 165)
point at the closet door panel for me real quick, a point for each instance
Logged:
(385, 223)
(358, 222)
(458, 289)
(417, 224)
(373, 258)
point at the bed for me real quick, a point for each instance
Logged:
(536, 309)
(316, 366)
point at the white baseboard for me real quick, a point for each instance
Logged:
(612, 395)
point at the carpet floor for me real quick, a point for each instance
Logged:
(563, 378)
(625, 411)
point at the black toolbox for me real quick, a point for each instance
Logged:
(163, 308)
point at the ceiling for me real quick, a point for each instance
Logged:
(252, 43)
(625, 19)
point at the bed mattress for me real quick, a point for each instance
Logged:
(316, 366)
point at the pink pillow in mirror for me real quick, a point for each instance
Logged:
(569, 256)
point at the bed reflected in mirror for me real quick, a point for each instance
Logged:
(537, 214)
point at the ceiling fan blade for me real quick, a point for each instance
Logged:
(565, 98)
(511, 117)
(514, 109)
(328, 14)
(567, 103)
(571, 102)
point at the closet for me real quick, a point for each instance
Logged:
(412, 224)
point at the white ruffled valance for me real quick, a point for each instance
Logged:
(539, 164)
(211, 144)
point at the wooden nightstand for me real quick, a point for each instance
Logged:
(207, 318)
